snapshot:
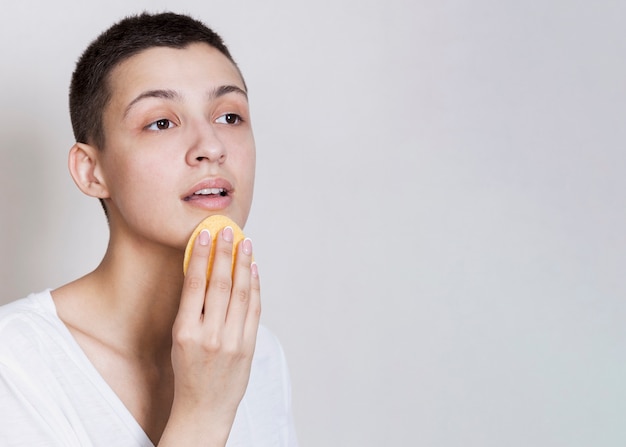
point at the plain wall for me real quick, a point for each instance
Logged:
(439, 215)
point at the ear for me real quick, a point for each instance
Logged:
(85, 169)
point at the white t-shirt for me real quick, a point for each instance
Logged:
(51, 394)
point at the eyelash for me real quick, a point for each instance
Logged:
(156, 123)
(225, 118)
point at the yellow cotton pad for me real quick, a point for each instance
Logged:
(214, 224)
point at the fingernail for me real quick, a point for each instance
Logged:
(204, 237)
(254, 269)
(227, 234)
(247, 246)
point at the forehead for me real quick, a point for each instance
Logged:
(195, 67)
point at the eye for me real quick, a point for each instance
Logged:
(161, 124)
(229, 118)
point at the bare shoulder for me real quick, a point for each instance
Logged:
(77, 304)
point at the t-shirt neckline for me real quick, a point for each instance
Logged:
(76, 352)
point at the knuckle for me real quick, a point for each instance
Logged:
(222, 284)
(242, 259)
(255, 309)
(234, 349)
(195, 282)
(212, 343)
(242, 295)
(255, 286)
(200, 251)
(225, 250)
(183, 336)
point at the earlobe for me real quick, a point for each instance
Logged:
(85, 170)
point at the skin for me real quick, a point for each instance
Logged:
(177, 355)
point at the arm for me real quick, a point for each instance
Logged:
(214, 336)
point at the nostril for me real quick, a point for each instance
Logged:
(210, 157)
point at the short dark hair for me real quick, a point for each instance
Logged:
(89, 88)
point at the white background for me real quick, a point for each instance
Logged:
(440, 211)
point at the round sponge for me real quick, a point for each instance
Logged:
(214, 224)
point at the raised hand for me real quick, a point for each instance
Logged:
(214, 336)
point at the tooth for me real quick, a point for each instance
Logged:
(207, 191)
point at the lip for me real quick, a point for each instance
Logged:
(210, 202)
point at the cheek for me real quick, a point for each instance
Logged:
(247, 157)
(246, 163)
(150, 178)
(137, 181)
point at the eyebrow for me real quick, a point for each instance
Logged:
(173, 95)
(162, 94)
(226, 89)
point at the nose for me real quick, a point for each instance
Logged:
(206, 145)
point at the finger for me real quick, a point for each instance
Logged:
(253, 316)
(220, 282)
(194, 285)
(240, 296)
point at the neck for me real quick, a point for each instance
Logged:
(130, 300)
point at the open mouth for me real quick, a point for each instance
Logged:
(207, 193)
